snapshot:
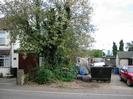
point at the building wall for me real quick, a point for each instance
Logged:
(7, 40)
(15, 59)
(117, 61)
(123, 62)
(5, 71)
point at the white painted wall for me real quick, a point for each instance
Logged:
(117, 61)
(5, 71)
(14, 58)
(123, 62)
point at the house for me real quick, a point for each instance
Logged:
(124, 58)
(8, 58)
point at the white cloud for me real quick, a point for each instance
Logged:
(114, 20)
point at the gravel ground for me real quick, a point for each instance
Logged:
(77, 84)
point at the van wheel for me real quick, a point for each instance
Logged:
(128, 82)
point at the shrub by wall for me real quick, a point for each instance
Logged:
(44, 75)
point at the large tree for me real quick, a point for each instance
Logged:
(130, 46)
(121, 46)
(53, 28)
(114, 49)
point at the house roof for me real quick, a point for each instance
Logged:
(111, 57)
(128, 54)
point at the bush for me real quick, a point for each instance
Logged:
(65, 73)
(44, 75)
(31, 76)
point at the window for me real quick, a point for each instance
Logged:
(4, 61)
(1, 62)
(130, 61)
(2, 38)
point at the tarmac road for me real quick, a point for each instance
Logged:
(29, 94)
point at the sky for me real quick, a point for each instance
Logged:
(114, 22)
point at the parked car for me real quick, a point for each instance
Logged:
(126, 74)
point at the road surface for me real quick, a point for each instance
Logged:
(29, 94)
(113, 90)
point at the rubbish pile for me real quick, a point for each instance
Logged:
(88, 71)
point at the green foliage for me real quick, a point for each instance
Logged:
(121, 47)
(44, 75)
(114, 49)
(46, 27)
(130, 46)
(53, 29)
(90, 53)
(96, 53)
(65, 73)
(32, 74)
(62, 73)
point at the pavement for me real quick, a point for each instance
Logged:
(99, 90)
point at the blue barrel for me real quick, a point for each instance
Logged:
(116, 70)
